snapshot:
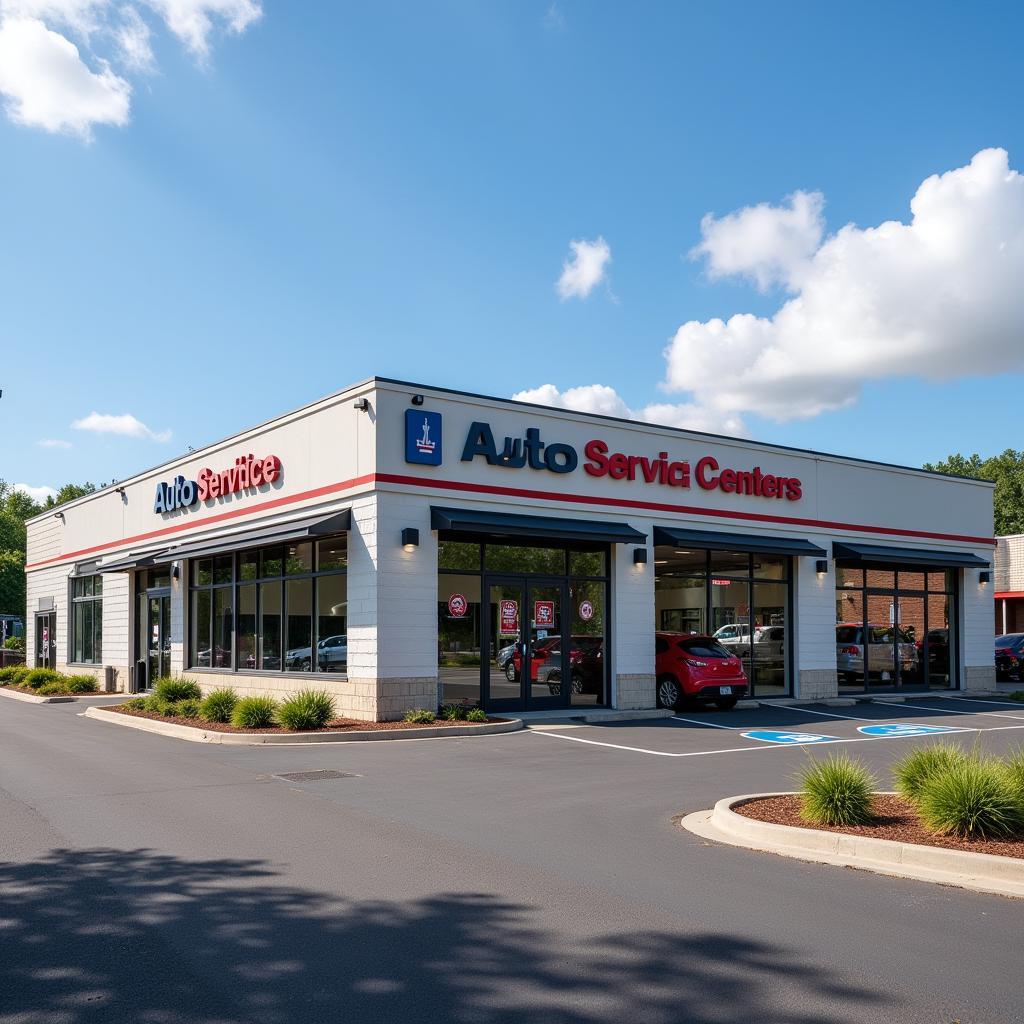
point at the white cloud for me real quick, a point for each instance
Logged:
(554, 19)
(585, 270)
(46, 84)
(63, 62)
(49, 442)
(937, 298)
(126, 425)
(768, 244)
(606, 401)
(192, 21)
(37, 494)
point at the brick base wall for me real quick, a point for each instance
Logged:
(817, 684)
(635, 692)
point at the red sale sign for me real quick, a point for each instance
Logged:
(457, 606)
(543, 614)
(508, 617)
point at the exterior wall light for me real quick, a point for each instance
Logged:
(362, 404)
(410, 538)
(984, 577)
(821, 566)
(176, 571)
(639, 556)
(417, 399)
(59, 515)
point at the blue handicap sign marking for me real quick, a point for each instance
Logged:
(775, 736)
(903, 729)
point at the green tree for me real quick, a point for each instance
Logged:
(12, 582)
(68, 493)
(1006, 471)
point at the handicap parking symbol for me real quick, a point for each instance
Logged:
(904, 729)
(775, 736)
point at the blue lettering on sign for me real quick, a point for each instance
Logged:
(774, 736)
(904, 729)
(423, 437)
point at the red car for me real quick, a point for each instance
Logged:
(696, 669)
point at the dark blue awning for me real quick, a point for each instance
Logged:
(755, 543)
(508, 524)
(892, 557)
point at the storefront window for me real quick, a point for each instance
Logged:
(257, 610)
(458, 635)
(454, 555)
(87, 620)
(893, 628)
(521, 559)
(740, 599)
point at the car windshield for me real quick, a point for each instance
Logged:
(703, 647)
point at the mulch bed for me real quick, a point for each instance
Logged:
(338, 725)
(895, 819)
(36, 693)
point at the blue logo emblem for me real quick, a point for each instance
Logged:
(904, 729)
(791, 738)
(423, 437)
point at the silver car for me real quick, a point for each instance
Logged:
(884, 645)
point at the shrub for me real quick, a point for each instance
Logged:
(836, 791)
(14, 643)
(307, 709)
(36, 677)
(911, 772)
(453, 712)
(137, 704)
(81, 684)
(173, 689)
(1017, 695)
(218, 705)
(18, 674)
(421, 716)
(974, 798)
(51, 689)
(476, 715)
(187, 708)
(12, 673)
(254, 713)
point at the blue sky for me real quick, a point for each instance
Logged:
(317, 193)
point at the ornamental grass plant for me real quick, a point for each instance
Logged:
(912, 771)
(836, 791)
(307, 709)
(175, 688)
(254, 713)
(218, 705)
(419, 716)
(976, 798)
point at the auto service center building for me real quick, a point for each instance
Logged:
(401, 545)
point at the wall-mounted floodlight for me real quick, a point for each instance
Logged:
(410, 538)
(639, 557)
(821, 566)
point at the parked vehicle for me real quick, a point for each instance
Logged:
(733, 634)
(883, 648)
(697, 669)
(540, 651)
(1010, 656)
(331, 656)
(586, 666)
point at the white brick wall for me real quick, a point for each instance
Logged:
(632, 600)
(976, 631)
(1009, 563)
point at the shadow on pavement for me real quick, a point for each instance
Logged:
(106, 935)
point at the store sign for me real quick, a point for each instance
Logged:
(586, 610)
(508, 617)
(458, 606)
(423, 437)
(599, 461)
(543, 614)
(246, 473)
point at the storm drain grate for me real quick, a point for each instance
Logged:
(316, 776)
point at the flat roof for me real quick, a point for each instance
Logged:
(372, 382)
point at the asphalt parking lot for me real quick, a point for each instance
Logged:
(533, 876)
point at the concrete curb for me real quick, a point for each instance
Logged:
(196, 734)
(32, 698)
(982, 872)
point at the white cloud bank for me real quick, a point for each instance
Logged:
(935, 298)
(37, 494)
(585, 269)
(63, 62)
(125, 425)
(53, 442)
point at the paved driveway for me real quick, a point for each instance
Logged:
(524, 877)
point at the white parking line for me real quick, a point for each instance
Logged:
(740, 750)
(826, 714)
(697, 721)
(978, 700)
(944, 711)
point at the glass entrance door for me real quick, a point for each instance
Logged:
(155, 636)
(46, 640)
(527, 664)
